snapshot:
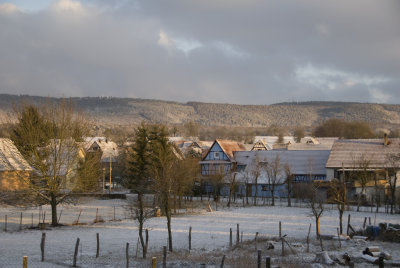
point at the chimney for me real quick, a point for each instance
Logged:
(385, 139)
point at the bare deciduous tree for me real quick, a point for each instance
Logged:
(392, 169)
(316, 205)
(273, 170)
(48, 138)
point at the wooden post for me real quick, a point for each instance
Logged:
(348, 224)
(77, 221)
(255, 240)
(137, 247)
(147, 240)
(5, 223)
(380, 262)
(127, 255)
(59, 217)
(365, 223)
(280, 237)
(338, 235)
(164, 262)
(98, 245)
(230, 237)
(154, 262)
(190, 238)
(369, 220)
(258, 258)
(280, 229)
(42, 244)
(320, 242)
(268, 262)
(76, 252)
(25, 262)
(308, 238)
(223, 261)
(237, 234)
(20, 222)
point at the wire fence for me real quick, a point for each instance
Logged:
(239, 252)
(14, 219)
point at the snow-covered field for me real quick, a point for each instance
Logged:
(210, 231)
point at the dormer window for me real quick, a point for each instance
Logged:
(216, 155)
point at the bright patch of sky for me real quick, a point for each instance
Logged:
(182, 44)
(230, 51)
(29, 5)
(330, 78)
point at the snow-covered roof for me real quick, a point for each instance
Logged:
(271, 140)
(300, 162)
(108, 148)
(10, 158)
(309, 146)
(348, 153)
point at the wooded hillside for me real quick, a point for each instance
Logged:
(108, 111)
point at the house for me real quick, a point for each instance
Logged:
(218, 162)
(260, 146)
(220, 157)
(354, 157)
(109, 157)
(304, 165)
(14, 169)
(273, 141)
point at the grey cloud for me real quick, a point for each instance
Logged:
(246, 52)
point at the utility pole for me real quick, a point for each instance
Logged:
(109, 188)
(104, 179)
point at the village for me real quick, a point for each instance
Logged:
(311, 178)
(199, 134)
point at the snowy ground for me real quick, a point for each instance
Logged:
(210, 234)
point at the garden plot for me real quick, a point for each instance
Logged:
(210, 233)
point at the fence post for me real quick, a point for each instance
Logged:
(98, 245)
(164, 262)
(230, 237)
(190, 238)
(348, 224)
(76, 252)
(154, 262)
(20, 222)
(258, 258)
(25, 262)
(223, 261)
(42, 244)
(237, 234)
(127, 255)
(268, 262)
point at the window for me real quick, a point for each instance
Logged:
(216, 155)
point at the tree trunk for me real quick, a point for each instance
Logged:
(168, 214)
(247, 193)
(317, 227)
(141, 221)
(53, 204)
(341, 220)
(273, 197)
(255, 194)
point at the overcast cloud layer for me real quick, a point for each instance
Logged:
(235, 51)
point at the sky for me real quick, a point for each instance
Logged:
(224, 51)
